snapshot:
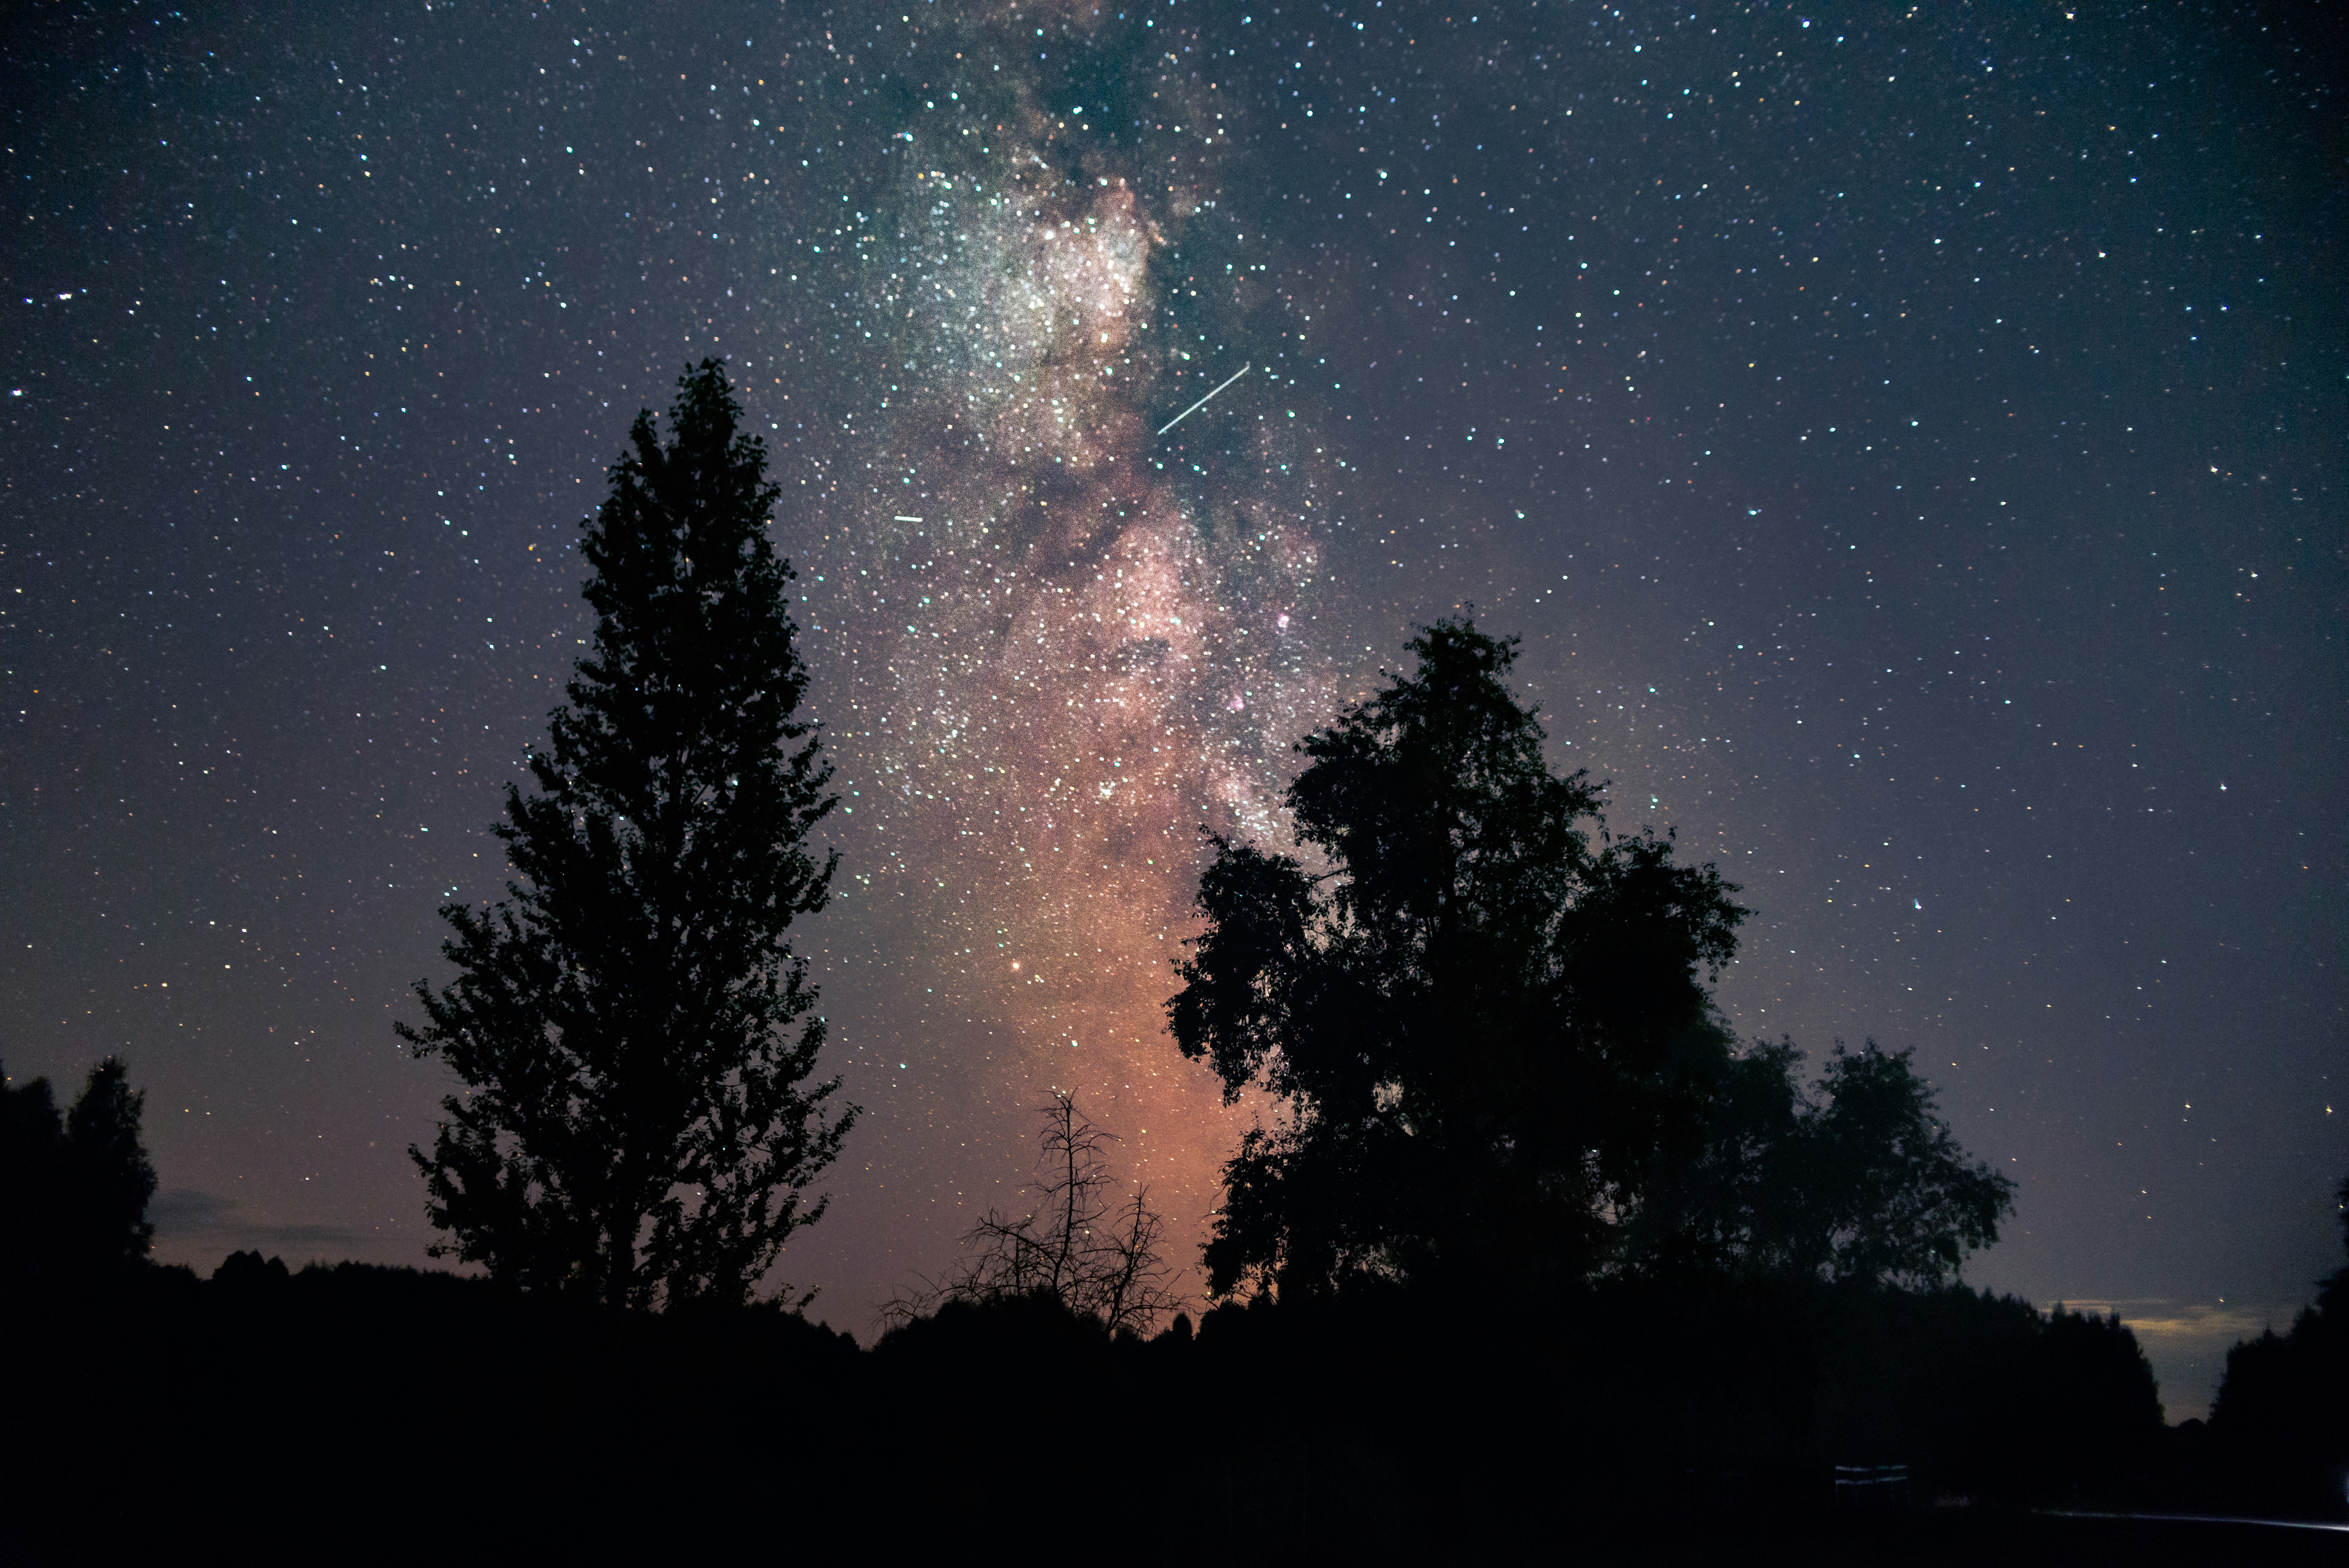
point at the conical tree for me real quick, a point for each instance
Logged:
(631, 1023)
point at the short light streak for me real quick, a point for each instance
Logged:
(1203, 402)
(2198, 1519)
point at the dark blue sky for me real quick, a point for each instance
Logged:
(1909, 451)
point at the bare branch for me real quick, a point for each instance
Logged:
(1096, 1253)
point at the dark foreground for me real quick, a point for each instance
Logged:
(1987, 1535)
(368, 1413)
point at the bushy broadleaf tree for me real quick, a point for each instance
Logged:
(1856, 1178)
(631, 1024)
(1486, 1025)
(1481, 1017)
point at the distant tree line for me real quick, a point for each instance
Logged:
(1373, 1422)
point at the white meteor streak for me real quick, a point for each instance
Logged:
(1203, 402)
(903, 518)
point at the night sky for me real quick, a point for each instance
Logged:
(1906, 443)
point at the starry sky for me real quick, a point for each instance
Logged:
(1906, 443)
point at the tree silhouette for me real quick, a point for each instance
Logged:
(2280, 1419)
(1481, 1026)
(112, 1177)
(1080, 1244)
(1856, 1180)
(630, 1022)
(74, 1186)
(1890, 1195)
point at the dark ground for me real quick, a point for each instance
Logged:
(360, 1413)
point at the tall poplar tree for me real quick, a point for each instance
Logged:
(631, 1023)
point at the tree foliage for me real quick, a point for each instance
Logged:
(1487, 1025)
(630, 1021)
(74, 1186)
(1079, 1243)
(1856, 1179)
(2280, 1419)
(1483, 1020)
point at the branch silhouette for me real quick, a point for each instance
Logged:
(1094, 1252)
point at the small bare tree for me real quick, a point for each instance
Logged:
(1094, 1252)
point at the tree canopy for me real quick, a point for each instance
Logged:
(1486, 1027)
(1480, 1021)
(1856, 1179)
(2281, 1415)
(74, 1185)
(631, 1022)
